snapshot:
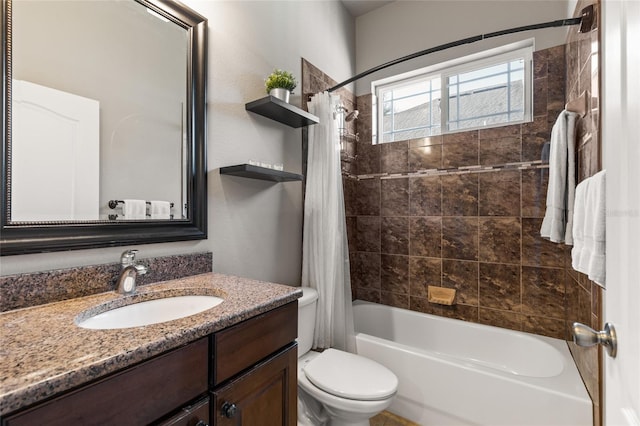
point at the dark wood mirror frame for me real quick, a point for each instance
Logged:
(39, 237)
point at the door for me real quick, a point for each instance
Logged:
(55, 155)
(621, 140)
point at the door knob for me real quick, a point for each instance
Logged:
(229, 410)
(586, 336)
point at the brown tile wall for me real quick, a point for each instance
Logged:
(475, 232)
(584, 297)
(314, 81)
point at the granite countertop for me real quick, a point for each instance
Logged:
(44, 352)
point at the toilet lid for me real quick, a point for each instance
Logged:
(351, 376)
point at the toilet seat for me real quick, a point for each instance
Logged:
(350, 376)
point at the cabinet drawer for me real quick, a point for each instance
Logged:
(193, 415)
(138, 395)
(263, 396)
(244, 344)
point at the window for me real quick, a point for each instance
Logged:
(411, 109)
(483, 90)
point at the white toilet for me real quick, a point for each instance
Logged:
(337, 388)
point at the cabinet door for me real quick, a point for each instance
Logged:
(264, 396)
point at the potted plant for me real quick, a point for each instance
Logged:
(280, 84)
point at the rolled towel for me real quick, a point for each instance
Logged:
(160, 210)
(134, 209)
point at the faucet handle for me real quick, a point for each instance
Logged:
(141, 269)
(128, 257)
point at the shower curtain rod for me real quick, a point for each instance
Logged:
(586, 19)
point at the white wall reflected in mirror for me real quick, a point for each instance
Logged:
(134, 66)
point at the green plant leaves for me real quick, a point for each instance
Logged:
(280, 79)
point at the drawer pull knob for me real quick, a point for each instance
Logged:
(229, 410)
(202, 423)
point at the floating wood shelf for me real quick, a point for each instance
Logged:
(261, 173)
(282, 112)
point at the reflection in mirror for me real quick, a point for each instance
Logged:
(103, 102)
(95, 117)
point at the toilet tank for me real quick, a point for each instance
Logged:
(306, 319)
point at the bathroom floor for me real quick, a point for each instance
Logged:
(389, 419)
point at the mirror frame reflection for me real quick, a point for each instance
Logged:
(37, 237)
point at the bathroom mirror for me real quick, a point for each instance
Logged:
(128, 79)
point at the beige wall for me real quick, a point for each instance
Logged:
(405, 27)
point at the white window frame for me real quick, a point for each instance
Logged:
(519, 50)
(401, 83)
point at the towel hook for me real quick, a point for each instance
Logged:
(579, 105)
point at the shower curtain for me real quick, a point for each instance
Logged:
(325, 254)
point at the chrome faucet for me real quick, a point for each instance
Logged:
(130, 271)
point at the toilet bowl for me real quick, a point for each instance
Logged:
(337, 388)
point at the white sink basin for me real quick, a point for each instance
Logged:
(150, 312)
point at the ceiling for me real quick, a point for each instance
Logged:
(360, 7)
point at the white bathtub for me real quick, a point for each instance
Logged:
(454, 372)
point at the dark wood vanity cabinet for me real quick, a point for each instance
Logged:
(196, 414)
(266, 394)
(243, 375)
(263, 396)
(137, 395)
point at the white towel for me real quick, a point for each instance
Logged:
(134, 209)
(588, 254)
(579, 210)
(557, 222)
(160, 210)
